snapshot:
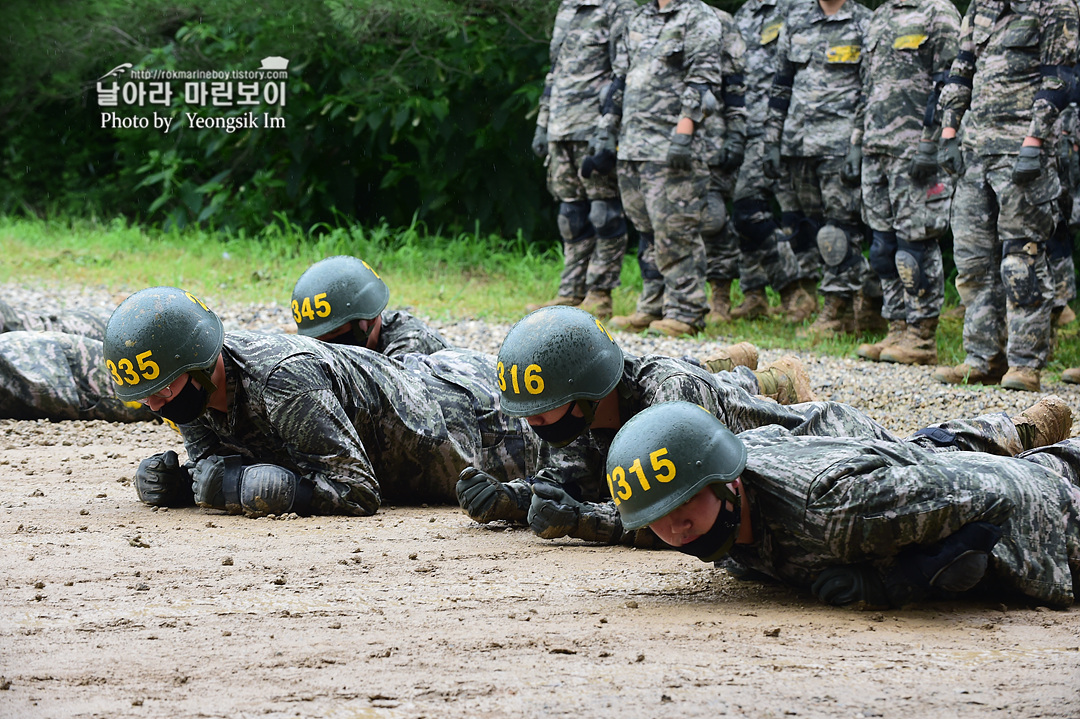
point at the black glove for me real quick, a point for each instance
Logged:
(161, 481)
(771, 164)
(1028, 167)
(486, 499)
(851, 172)
(850, 583)
(679, 156)
(955, 564)
(602, 163)
(540, 142)
(553, 513)
(732, 152)
(925, 162)
(950, 157)
(208, 480)
(601, 141)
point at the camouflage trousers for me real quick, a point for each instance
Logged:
(764, 259)
(59, 376)
(1062, 267)
(668, 205)
(1000, 234)
(592, 257)
(907, 219)
(717, 229)
(88, 322)
(817, 191)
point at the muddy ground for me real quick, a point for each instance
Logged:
(111, 609)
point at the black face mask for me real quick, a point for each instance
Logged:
(188, 404)
(565, 430)
(715, 543)
(346, 338)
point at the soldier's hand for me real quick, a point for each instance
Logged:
(771, 163)
(485, 498)
(601, 141)
(207, 482)
(553, 513)
(848, 584)
(161, 481)
(679, 156)
(602, 163)
(950, 157)
(540, 142)
(851, 172)
(1028, 166)
(925, 162)
(732, 153)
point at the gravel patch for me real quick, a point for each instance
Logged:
(900, 397)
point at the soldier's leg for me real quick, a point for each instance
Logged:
(607, 217)
(577, 233)
(840, 241)
(1060, 255)
(650, 301)
(676, 200)
(721, 248)
(879, 214)
(1026, 219)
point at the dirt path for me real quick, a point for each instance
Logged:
(110, 609)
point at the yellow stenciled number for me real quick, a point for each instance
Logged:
(635, 468)
(620, 488)
(149, 367)
(604, 330)
(196, 300)
(370, 268)
(128, 369)
(305, 309)
(534, 383)
(666, 464)
(502, 376)
(296, 311)
(322, 307)
(113, 372)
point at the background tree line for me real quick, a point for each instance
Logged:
(395, 109)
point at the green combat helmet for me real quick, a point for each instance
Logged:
(156, 335)
(335, 291)
(665, 455)
(553, 356)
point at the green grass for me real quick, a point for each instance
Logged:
(469, 275)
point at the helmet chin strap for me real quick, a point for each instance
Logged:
(202, 376)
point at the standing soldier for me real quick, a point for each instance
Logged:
(1006, 85)
(807, 135)
(667, 67)
(910, 46)
(591, 219)
(766, 251)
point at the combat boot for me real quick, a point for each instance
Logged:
(966, 374)
(798, 301)
(597, 303)
(917, 346)
(1071, 375)
(868, 314)
(1062, 316)
(873, 351)
(755, 304)
(637, 322)
(1048, 421)
(719, 302)
(674, 328)
(728, 358)
(1025, 379)
(955, 313)
(837, 317)
(560, 301)
(785, 381)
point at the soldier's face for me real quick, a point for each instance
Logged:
(690, 520)
(552, 416)
(159, 399)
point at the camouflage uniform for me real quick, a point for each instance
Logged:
(88, 322)
(362, 428)
(647, 381)
(59, 376)
(591, 220)
(762, 260)
(1005, 85)
(910, 46)
(811, 116)
(402, 333)
(669, 58)
(1060, 248)
(817, 502)
(718, 234)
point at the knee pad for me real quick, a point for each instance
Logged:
(1018, 273)
(607, 218)
(648, 268)
(1060, 246)
(835, 246)
(752, 234)
(715, 217)
(573, 221)
(269, 489)
(883, 254)
(910, 260)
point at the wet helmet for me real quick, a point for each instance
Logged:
(665, 455)
(156, 335)
(335, 291)
(553, 356)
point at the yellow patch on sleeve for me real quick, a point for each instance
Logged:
(908, 42)
(843, 54)
(770, 32)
